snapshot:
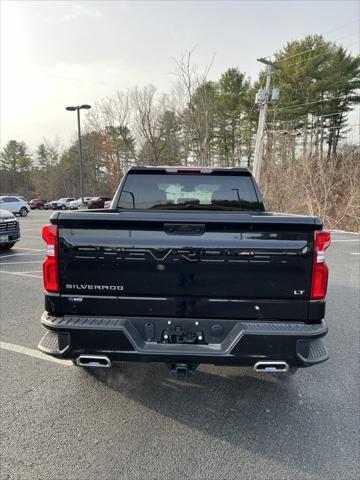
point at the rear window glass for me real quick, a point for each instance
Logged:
(189, 191)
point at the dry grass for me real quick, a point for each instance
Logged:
(327, 189)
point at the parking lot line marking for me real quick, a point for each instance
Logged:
(33, 353)
(21, 274)
(26, 254)
(28, 271)
(345, 240)
(344, 231)
(355, 253)
(18, 263)
(32, 249)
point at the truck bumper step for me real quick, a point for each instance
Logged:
(54, 343)
(244, 343)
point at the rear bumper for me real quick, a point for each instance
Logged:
(240, 342)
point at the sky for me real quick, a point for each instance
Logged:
(57, 53)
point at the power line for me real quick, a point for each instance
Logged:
(299, 119)
(343, 37)
(300, 130)
(315, 48)
(316, 55)
(312, 49)
(308, 103)
(342, 26)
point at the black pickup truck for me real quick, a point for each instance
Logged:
(186, 267)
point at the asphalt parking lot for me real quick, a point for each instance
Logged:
(136, 422)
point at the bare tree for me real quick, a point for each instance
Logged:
(148, 110)
(198, 112)
(115, 112)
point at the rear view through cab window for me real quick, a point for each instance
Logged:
(189, 191)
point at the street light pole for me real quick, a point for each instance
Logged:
(80, 159)
(72, 109)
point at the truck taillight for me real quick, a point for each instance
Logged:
(51, 266)
(320, 270)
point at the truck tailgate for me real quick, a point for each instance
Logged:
(228, 265)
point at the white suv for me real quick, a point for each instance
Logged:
(75, 204)
(62, 203)
(14, 204)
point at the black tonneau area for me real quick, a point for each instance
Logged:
(135, 219)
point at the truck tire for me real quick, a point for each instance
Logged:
(23, 212)
(63, 207)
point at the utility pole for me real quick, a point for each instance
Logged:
(259, 146)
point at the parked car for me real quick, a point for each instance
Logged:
(75, 204)
(15, 205)
(187, 268)
(62, 203)
(9, 229)
(37, 203)
(47, 206)
(98, 202)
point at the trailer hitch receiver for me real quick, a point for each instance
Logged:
(182, 370)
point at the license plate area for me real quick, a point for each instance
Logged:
(4, 238)
(178, 335)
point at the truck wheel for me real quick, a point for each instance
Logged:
(23, 212)
(63, 207)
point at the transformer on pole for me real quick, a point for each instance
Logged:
(262, 100)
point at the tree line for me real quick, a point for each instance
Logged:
(203, 122)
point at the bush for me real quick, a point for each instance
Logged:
(329, 189)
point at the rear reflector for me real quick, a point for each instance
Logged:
(320, 273)
(51, 266)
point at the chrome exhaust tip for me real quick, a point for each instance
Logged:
(93, 361)
(271, 367)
